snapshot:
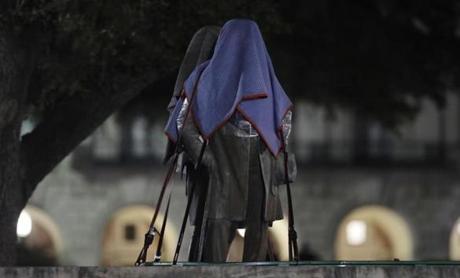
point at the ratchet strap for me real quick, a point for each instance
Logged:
(150, 235)
(292, 234)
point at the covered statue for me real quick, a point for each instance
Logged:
(229, 107)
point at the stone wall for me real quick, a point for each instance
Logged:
(427, 200)
(81, 205)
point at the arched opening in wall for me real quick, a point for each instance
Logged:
(373, 233)
(123, 237)
(277, 243)
(40, 242)
(454, 248)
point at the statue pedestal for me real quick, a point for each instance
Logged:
(317, 269)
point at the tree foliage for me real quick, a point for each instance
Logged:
(377, 57)
(89, 46)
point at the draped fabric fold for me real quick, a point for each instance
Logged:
(238, 77)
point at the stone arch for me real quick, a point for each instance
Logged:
(454, 242)
(278, 237)
(373, 233)
(278, 240)
(123, 236)
(44, 240)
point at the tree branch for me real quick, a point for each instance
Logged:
(67, 125)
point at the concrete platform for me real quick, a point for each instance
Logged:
(302, 269)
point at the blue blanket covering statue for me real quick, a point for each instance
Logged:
(242, 113)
